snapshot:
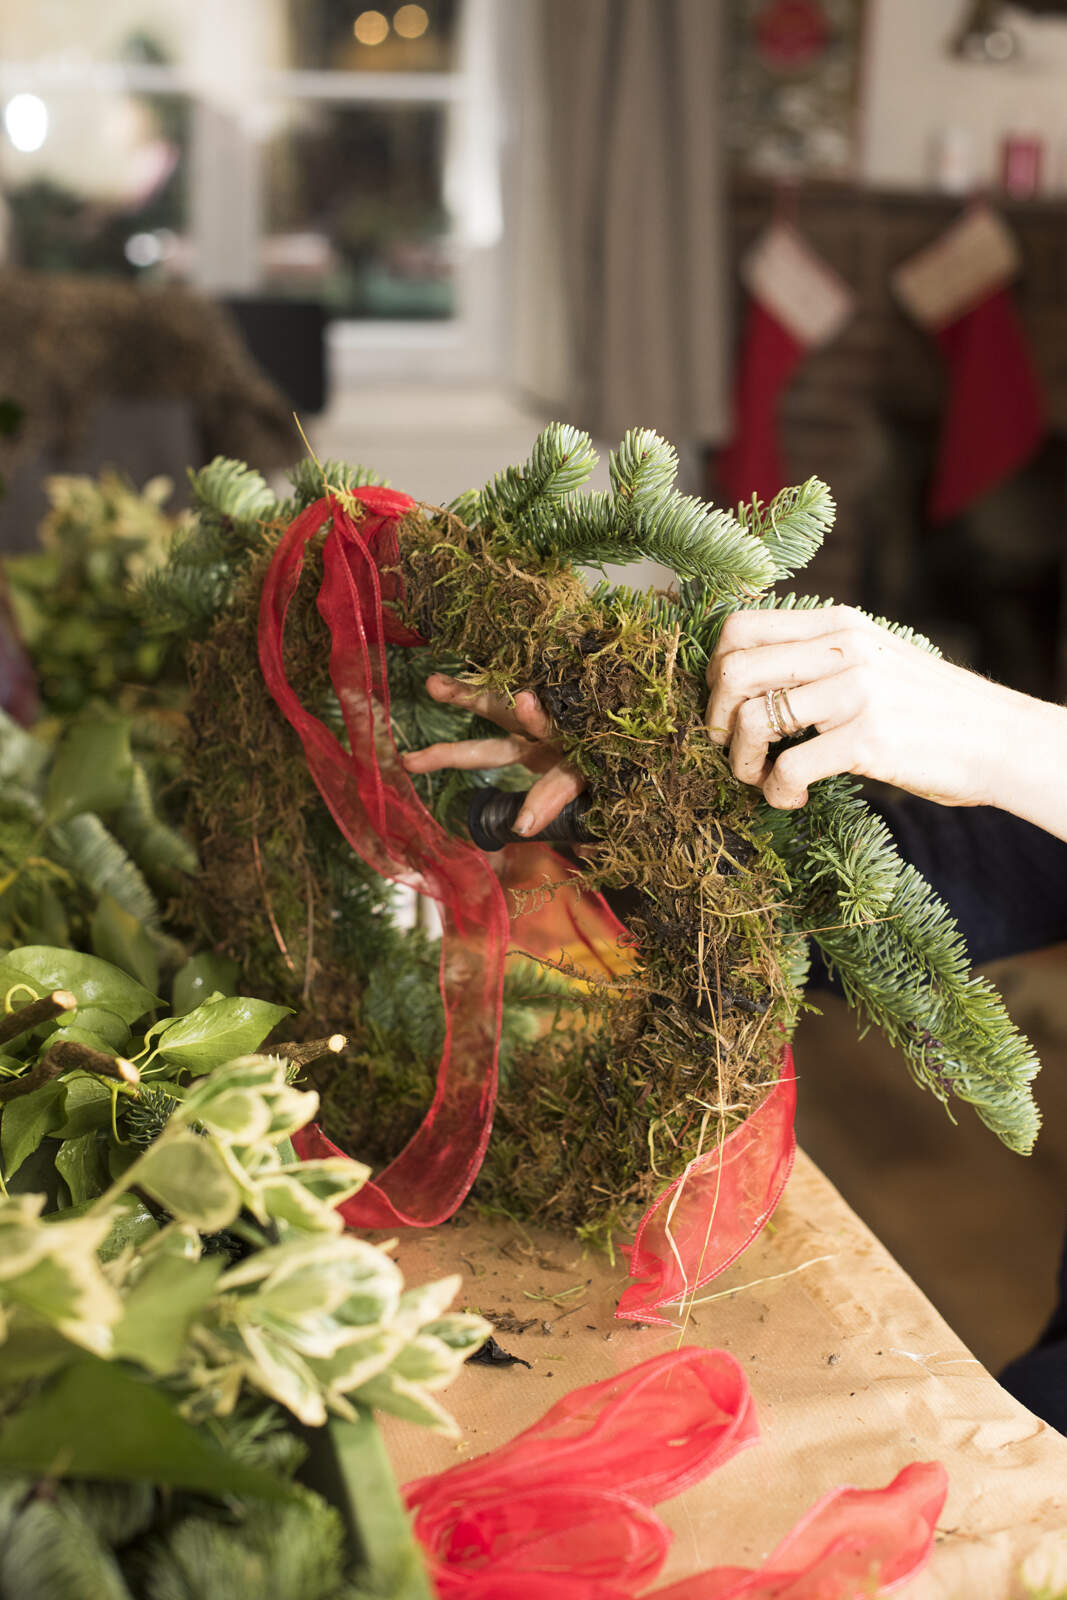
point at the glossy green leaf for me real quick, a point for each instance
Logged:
(135, 1225)
(82, 1164)
(160, 1308)
(78, 1035)
(201, 977)
(96, 1421)
(106, 1025)
(86, 1107)
(93, 982)
(121, 938)
(219, 1030)
(186, 1174)
(92, 769)
(26, 1121)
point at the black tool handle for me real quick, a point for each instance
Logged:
(492, 812)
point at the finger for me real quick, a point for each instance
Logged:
(546, 799)
(494, 707)
(824, 705)
(744, 674)
(533, 718)
(746, 630)
(796, 769)
(467, 754)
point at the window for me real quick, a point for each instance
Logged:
(311, 148)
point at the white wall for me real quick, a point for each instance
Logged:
(914, 89)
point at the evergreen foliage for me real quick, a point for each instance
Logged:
(793, 526)
(310, 479)
(892, 941)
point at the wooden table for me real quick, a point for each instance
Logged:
(854, 1374)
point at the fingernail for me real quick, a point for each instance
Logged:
(523, 823)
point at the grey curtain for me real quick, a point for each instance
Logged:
(622, 291)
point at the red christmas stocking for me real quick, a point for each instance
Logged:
(994, 418)
(796, 303)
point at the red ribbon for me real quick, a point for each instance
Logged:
(377, 809)
(712, 1212)
(564, 1511)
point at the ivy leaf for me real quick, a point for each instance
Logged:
(200, 977)
(82, 1164)
(87, 1106)
(219, 1030)
(78, 1035)
(118, 936)
(92, 770)
(107, 1025)
(28, 1120)
(96, 1421)
(90, 980)
(134, 1225)
(188, 1176)
(158, 1311)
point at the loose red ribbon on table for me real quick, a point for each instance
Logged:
(564, 1511)
(709, 1214)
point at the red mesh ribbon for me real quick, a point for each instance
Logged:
(710, 1213)
(853, 1543)
(565, 1508)
(377, 809)
(563, 1512)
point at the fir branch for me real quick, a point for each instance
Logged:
(698, 541)
(159, 850)
(901, 959)
(585, 530)
(92, 855)
(311, 478)
(794, 525)
(232, 490)
(560, 462)
(643, 468)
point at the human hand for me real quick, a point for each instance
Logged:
(529, 743)
(882, 708)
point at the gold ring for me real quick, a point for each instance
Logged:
(770, 705)
(781, 703)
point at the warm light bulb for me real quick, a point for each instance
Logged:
(411, 22)
(371, 27)
(26, 121)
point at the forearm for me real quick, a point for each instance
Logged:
(1027, 761)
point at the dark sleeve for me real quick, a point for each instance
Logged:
(1004, 880)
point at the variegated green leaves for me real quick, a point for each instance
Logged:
(315, 1321)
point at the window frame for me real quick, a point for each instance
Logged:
(225, 188)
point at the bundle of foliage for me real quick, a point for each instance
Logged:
(72, 597)
(190, 1345)
(728, 892)
(85, 858)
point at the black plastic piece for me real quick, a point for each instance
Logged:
(492, 812)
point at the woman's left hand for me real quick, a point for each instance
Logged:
(528, 742)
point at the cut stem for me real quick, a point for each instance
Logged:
(38, 1011)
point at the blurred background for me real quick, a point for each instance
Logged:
(428, 228)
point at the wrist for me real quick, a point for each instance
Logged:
(1027, 761)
